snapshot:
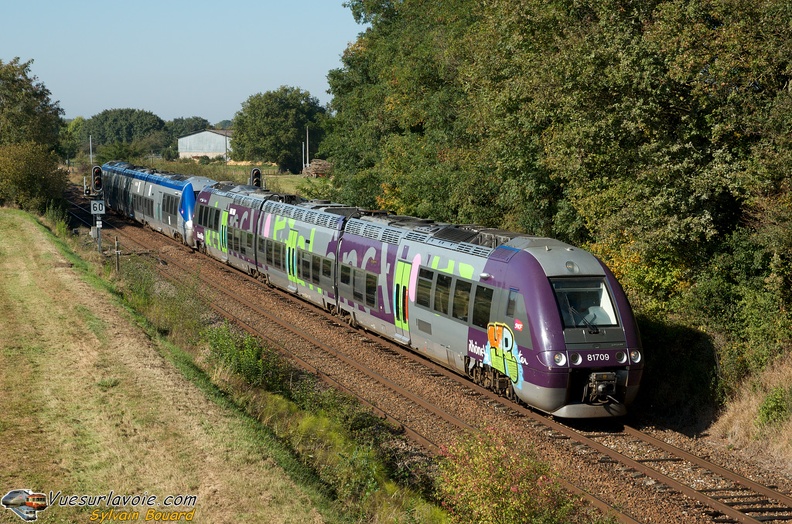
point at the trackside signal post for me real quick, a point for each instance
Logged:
(255, 177)
(97, 206)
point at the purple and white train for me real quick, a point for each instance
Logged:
(531, 318)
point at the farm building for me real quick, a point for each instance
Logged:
(211, 143)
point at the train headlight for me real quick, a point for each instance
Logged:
(575, 359)
(621, 357)
(559, 359)
(635, 356)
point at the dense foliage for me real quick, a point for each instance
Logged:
(272, 127)
(654, 133)
(30, 125)
(30, 177)
(27, 114)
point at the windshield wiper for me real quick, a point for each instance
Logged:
(591, 327)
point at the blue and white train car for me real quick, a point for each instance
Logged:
(163, 201)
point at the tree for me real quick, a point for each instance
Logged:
(271, 127)
(180, 127)
(395, 136)
(26, 111)
(70, 138)
(31, 177)
(121, 125)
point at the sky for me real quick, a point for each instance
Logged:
(175, 58)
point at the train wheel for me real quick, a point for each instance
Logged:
(475, 374)
(510, 393)
(488, 379)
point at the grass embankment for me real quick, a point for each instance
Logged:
(90, 405)
(218, 416)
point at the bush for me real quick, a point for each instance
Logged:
(30, 177)
(491, 478)
(776, 407)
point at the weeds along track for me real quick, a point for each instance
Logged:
(624, 471)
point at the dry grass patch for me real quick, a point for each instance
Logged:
(758, 421)
(90, 405)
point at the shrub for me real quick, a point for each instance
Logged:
(491, 478)
(30, 176)
(776, 407)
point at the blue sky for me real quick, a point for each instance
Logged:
(175, 58)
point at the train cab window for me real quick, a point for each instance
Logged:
(584, 302)
(371, 289)
(459, 308)
(442, 293)
(424, 295)
(482, 305)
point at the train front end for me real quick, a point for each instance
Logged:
(582, 357)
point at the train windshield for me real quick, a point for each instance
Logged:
(584, 302)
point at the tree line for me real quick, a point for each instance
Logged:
(656, 134)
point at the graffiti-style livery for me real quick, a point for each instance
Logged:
(532, 318)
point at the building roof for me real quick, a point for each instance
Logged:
(221, 132)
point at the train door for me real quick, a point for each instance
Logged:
(158, 218)
(291, 259)
(400, 300)
(507, 331)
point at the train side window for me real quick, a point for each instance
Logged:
(270, 249)
(277, 255)
(424, 294)
(327, 268)
(371, 289)
(316, 268)
(461, 303)
(250, 243)
(359, 285)
(305, 264)
(346, 275)
(442, 293)
(482, 305)
(512, 303)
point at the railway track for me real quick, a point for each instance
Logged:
(720, 495)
